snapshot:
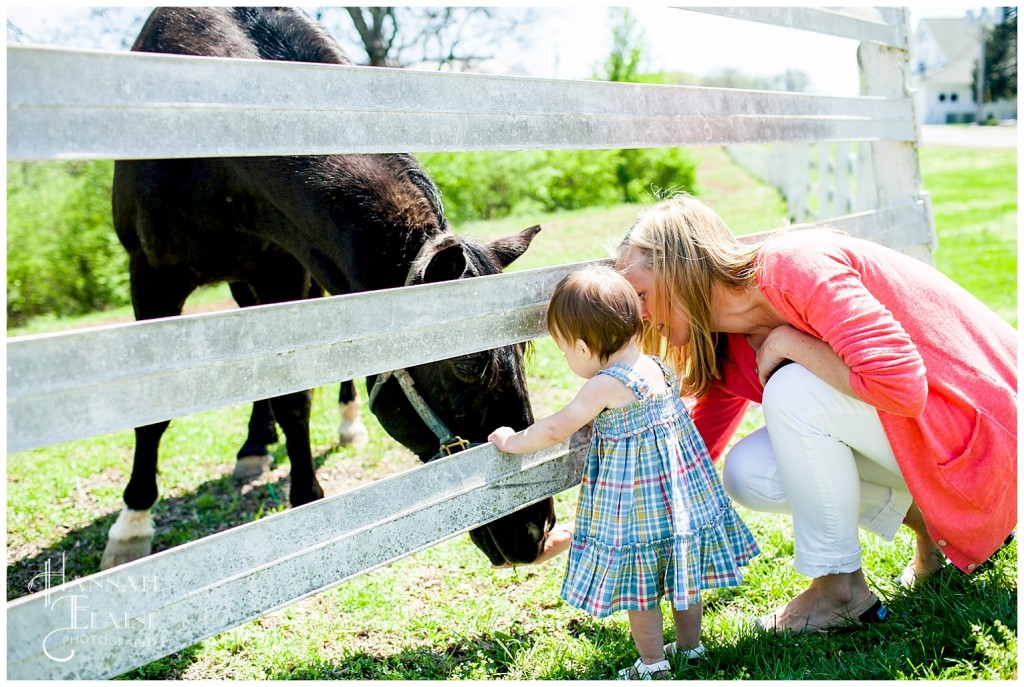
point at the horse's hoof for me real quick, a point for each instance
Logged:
(130, 538)
(121, 552)
(351, 431)
(353, 434)
(300, 497)
(251, 467)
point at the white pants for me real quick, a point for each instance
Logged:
(824, 458)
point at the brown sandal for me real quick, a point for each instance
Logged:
(852, 618)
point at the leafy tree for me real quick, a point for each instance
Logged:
(1000, 60)
(623, 63)
(62, 256)
(641, 174)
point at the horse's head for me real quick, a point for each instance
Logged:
(472, 394)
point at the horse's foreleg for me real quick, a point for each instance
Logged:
(282, 278)
(292, 413)
(351, 431)
(131, 536)
(254, 458)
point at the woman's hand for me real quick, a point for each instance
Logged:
(775, 350)
(787, 343)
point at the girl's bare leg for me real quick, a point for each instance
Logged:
(688, 626)
(647, 630)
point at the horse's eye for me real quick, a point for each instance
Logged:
(469, 368)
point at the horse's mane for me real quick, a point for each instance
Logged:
(289, 35)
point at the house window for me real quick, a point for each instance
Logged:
(942, 97)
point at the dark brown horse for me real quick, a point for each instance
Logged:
(286, 228)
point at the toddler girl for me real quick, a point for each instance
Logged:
(653, 519)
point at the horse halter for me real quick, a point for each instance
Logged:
(449, 442)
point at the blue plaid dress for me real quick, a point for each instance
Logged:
(653, 519)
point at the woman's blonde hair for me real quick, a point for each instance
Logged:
(598, 306)
(688, 248)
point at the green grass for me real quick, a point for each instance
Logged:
(974, 201)
(443, 613)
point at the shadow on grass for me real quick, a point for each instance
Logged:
(214, 506)
(951, 626)
(489, 656)
(170, 667)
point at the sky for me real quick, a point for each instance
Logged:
(573, 42)
(698, 43)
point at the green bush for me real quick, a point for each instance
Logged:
(63, 257)
(490, 185)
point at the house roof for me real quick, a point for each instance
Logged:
(958, 41)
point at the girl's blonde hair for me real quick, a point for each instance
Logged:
(688, 248)
(598, 306)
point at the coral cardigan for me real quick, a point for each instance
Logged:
(938, 365)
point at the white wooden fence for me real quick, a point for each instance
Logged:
(86, 104)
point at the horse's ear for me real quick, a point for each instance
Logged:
(506, 250)
(447, 262)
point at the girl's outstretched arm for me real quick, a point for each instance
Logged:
(589, 402)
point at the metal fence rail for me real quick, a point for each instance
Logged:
(72, 104)
(863, 24)
(78, 384)
(177, 597)
(74, 385)
(90, 104)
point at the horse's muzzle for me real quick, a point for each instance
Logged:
(518, 537)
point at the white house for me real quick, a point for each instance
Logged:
(943, 57)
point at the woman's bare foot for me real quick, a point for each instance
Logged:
(828, 602)
(928, 557)
(558, 540)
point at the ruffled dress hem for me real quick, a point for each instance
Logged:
(603, 579)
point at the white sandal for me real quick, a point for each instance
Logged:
(661, 670)
(693, 654)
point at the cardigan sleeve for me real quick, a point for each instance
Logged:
(822, 293)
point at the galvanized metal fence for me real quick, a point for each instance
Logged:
(87, 104)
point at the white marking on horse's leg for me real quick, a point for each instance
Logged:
(351, 431)
(130, 538)
(252, 467)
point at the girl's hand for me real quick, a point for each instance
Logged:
(500, 437)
